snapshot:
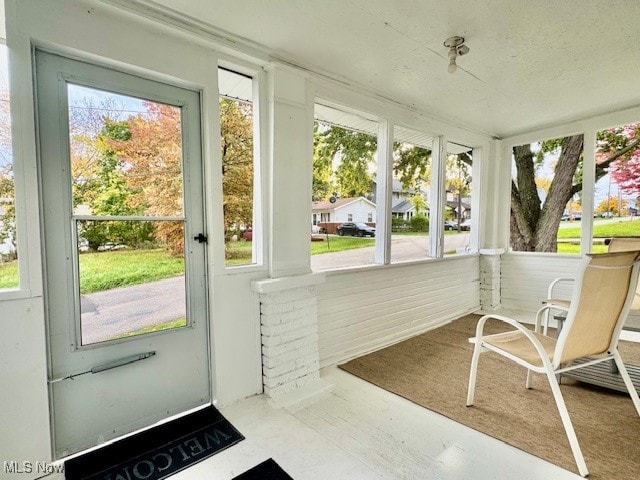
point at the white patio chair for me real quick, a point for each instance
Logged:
(599, 305)
(616, 244)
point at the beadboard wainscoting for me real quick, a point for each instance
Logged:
(525, 278)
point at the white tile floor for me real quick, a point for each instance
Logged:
(362, 432)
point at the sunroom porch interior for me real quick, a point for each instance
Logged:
(532, 74)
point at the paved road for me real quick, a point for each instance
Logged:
(123, 310)
(403, 248)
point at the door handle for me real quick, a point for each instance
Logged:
(201, 238)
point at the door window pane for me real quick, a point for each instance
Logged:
(129, 289)
(344, 189)
(546, 196)
(128, 213)
(457, 209)
(126, 154)
(8, 238)
(410, 202)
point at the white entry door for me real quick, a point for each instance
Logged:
(121, 178)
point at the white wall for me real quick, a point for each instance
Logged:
(370, 308)
(360, 209)
(103, 34)
(353, 317)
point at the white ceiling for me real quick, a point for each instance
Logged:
(531, 64)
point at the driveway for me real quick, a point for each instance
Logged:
(127, 309)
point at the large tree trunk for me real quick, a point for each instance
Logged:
(534, 228)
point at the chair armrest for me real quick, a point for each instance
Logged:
(555, 282)
(524, 330)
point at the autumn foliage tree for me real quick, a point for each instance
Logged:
(236, 140)
(625, 169)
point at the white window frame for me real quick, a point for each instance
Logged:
(260, 126)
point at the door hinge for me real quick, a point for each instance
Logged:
(201, 238)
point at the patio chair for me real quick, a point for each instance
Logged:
(599, 305)
(616, 244)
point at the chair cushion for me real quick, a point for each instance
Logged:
(515, 343)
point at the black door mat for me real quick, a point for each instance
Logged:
(158, 452)
(267, 470)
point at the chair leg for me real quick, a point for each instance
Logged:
(627, 380)
(566, 422)
(529, 377)
(473, 374)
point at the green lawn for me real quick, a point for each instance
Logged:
(105, 270)
(337, 244)
(575, 248)
(624, 228)
(9, 274)
(180, 322)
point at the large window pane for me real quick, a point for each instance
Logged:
(128, 212)
(410, 201)
(546, 196)
(617, 189)
(238, 166)
(457, 209)
(343, 217)
(8, 237)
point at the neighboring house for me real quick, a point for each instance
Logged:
(354, 209)
(465, 206)
(401, 206)
(404, 210)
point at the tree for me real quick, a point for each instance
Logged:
(625, 170)
(612, 204)
(148, 151)
(236, 139)
(534, 222)
(418, 203)
(355, 154)
(7, 190)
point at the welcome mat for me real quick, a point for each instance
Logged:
(267, 470)
(158, 452)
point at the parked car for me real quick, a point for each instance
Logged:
(450, 225)
(466, 225)
(356, 228)
(607, 215)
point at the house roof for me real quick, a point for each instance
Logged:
(403, 207)
(530, 64)
(339, 203)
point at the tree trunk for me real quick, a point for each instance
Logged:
(534, 228)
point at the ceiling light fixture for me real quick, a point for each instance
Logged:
(456, 47)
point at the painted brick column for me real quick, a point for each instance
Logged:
(490, 280)
(289, 335)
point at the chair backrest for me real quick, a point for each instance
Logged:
(625, 244)
(601, 299)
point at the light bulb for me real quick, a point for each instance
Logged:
(452, 66)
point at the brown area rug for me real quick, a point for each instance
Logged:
(432, 370)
